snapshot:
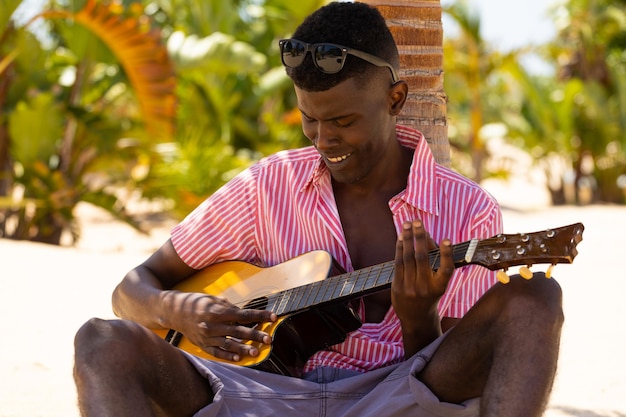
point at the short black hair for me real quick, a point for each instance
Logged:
(355, 25)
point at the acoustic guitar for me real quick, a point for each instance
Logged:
(312, 303)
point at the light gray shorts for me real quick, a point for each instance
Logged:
(389, 391)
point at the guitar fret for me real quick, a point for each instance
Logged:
(308, 292)
(294, 300)
(312, 291)
(378, 276)
(290, 299)
(271, 302)
(361, 279)
(282, 302)
(285, 302)
(302, 294)
(348, 287)
(323, 295)
(337, 287)
(370, 280)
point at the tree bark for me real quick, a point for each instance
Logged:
(418, 31)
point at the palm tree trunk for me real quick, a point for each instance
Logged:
(416, 26)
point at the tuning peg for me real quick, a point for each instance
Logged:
(503, 277)
(525, 273)
(549, 271)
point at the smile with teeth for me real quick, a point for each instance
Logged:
(338, 158)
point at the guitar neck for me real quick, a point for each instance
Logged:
(353, 284)
(551, 246)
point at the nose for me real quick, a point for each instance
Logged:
(323, 136)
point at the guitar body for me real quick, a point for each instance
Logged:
(300, 335)
(295, 336)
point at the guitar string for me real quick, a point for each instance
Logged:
(294, 296)
(288, 297)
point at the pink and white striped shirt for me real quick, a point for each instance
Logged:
(283, 206)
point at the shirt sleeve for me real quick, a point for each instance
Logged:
(469, 283)
(222, 227)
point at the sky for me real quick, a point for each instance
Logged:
(507, 24)
(27, 9)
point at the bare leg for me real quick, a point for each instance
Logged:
(122, 369)
(504, 350)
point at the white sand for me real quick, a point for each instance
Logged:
(48, 292)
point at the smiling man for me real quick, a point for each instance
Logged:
(442, 342)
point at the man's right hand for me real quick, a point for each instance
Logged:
(212, 323)
(215, 325)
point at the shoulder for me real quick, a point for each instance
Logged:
(291, 156)
(430, 181)
(445, 178)
(446, 174)
(469, 203)
(285, 170)
(288, 160)
(461, 188)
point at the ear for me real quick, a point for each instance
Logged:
(397, 97)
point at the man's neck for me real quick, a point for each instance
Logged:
(388, 178)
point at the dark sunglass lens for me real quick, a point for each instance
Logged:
(329, 58)
(292, 53)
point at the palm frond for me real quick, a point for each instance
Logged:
(141, 54)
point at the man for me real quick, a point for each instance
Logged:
(367, 191)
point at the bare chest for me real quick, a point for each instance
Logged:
(370, 235)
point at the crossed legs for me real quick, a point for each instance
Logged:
(504, 350)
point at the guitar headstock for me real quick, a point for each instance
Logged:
(551, 246)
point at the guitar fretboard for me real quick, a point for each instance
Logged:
(348, 285)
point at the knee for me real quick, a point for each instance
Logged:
(104, 343)
(539, 296)
(92, 336)
(543, 289)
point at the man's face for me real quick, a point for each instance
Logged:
(350, 126)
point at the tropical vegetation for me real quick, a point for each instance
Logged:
(102, 101)
(163, 98)
(571, 121)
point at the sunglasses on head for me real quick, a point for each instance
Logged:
(327, 57)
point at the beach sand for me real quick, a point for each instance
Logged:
(48, 292)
